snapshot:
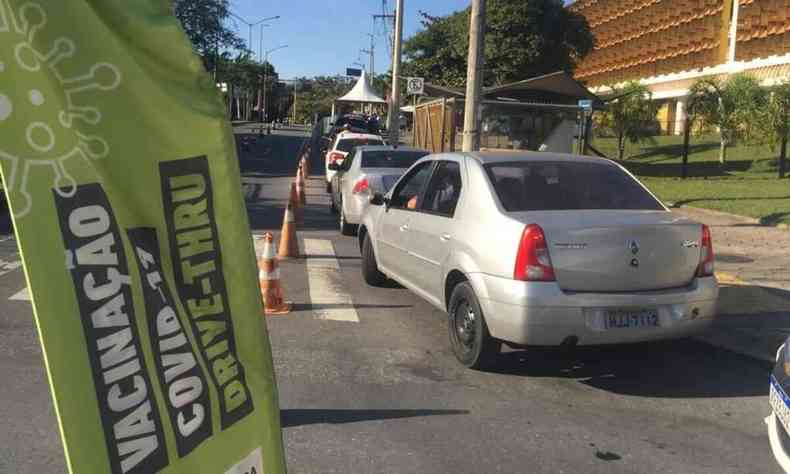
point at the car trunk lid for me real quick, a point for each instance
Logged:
(612, 251)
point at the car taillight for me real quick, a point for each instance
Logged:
(361, 186)
(533, 262)
(335, 156)
(706, 267)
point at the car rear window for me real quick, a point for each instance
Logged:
(348, 144)
(390, 158)
(561, 185)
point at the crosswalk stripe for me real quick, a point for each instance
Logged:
(21, 295)
(327, 296)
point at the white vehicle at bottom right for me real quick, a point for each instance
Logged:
(778, 421)
(528, 248)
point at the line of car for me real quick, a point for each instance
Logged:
(535, 249)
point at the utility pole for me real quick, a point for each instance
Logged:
(473, 76)
(393, 117)
(371, 52)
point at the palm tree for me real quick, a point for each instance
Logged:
(775, 121)
(731, 106)
(629, 113)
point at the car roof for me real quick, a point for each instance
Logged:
(390, 148)
(350, 135)
(502, 156)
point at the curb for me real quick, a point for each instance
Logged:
(745, 219)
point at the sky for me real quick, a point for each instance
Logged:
(324, 36)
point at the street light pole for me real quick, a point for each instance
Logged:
(265, 62)
(250, 25)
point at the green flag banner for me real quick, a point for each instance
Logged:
(121, 175)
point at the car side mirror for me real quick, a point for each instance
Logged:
(333, 166)
(377, 199)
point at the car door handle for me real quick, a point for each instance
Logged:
(404, 227)
(445, 237)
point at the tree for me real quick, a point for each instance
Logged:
(245, 77)
(732, 106)
(204, 23)
(524, 38)
(319, 95)
(774, 122)
(629, 114)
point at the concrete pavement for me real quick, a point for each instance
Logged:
(753, 267)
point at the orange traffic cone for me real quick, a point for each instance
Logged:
(269, 279)
(305, 167)
(293, 200)
(289, 246)
(300, 188)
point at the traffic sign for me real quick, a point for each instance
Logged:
(585, 103)
(353, 72)
(415, 85)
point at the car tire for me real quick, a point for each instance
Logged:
(345, 227)
(470, 340)
(370, 269)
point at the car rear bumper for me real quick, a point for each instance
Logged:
(540, 313)
(353, 207)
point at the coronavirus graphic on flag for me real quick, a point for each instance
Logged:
(57, 119)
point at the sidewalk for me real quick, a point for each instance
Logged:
(753, 268)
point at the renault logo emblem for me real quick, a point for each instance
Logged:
(634, 246)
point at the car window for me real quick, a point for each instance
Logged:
(407, 194)
(443, 191)
(347, 144)
(391, 158)
(545, 185)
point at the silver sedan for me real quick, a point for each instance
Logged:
(541, 249)
(371, 169)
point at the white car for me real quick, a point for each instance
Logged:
(543, 249)
(369, 170)
(343, 144)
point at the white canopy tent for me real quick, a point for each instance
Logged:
(361, 92)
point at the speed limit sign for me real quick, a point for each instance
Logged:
(415, 86)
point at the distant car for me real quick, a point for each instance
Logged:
(342, 145)
(543, 249)
(779, 420)
(368, 170)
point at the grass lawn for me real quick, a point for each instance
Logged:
(746, 185)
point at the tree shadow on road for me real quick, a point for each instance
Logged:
(676, 369)
(301, 417)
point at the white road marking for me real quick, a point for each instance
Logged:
(21, 295)
(329, 299)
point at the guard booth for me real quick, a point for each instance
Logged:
(545, 113)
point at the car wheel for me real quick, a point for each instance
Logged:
(471, 342)
(370, 269)
(345, 227)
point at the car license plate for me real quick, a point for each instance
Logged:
(779, 403)
(629, 319)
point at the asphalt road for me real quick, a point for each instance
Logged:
(383, 393)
